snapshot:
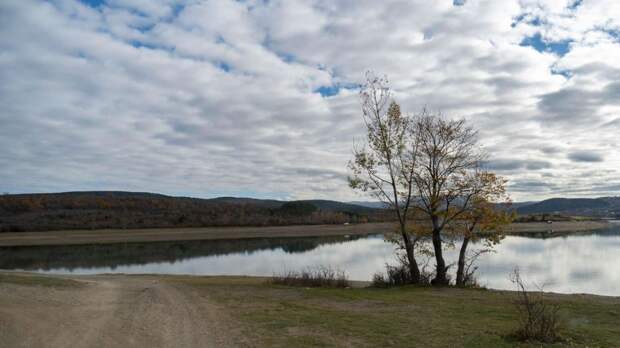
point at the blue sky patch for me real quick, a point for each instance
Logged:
(286, 57)
(328, 91)
(93, 3)
(560, 48)
(614, 33)
(140, 44)
(526, 18)
(223, 66)
(332, 90)
(575, 4)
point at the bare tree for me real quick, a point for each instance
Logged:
(482, 221)
(448, 159)
(385, 165)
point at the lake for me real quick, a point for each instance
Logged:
(566, 263)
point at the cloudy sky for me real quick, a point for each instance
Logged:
(259, 98)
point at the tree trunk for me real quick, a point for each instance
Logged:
(440, 268)
(460, 272)
(414, 270)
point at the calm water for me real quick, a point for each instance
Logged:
(577, 263)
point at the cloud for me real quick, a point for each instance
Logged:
(259, 98)
(585, 156)
(515, 164)
(532, 186)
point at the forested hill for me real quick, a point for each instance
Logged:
(117, 209)
(600, 207)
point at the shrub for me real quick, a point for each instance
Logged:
(471, 281)
(314, 277)
(398, 275)
(538, 319)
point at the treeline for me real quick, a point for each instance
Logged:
(123, 210)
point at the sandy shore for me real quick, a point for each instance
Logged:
(207, 233)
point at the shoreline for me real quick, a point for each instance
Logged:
(72, 237)
(556, 227)
(111, 236)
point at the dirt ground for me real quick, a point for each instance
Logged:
(108, 311)
(207, 233)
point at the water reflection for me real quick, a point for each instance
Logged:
(568, 264)
(583, 263)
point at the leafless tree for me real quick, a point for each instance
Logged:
(448, 159)
(385, 165)
(483, 221)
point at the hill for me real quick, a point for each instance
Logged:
(596, 207)
(117, 209)
(371, 204)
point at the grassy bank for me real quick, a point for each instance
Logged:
(30, 279)
(242, 311)
(409, 316)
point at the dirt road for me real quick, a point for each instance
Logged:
(109, 311)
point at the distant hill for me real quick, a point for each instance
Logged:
(599, 207)
(118, 209)
(267, 203)
(371, 204)
(325, 205)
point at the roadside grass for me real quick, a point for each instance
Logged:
(37, 280)
(273, 315)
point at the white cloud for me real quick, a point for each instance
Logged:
(219, 97)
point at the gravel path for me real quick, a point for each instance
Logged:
(110, 311)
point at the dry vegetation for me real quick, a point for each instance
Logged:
(539, 319)
(313, 277)
(125, 210)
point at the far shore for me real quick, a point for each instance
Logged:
(556, 226)
(72, 237)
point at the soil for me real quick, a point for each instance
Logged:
(110, 311)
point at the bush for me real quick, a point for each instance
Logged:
(314, 277)
(471, 281)
(538, 319)
(398, 275)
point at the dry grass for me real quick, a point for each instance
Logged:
(313, 277)
(403, 316)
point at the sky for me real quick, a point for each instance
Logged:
(260, 98)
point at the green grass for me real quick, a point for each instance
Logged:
(409, 316)
(37, 280)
